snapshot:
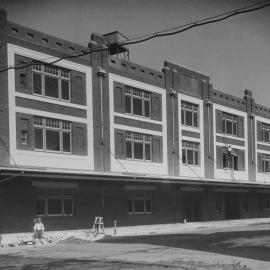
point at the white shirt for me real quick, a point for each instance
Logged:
(39, 227)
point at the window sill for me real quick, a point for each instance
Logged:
(139, 160)
(230, 136)
(140, 213)
(191, 165)
(137, 117)
(52, 152)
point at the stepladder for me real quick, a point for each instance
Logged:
(98, 226)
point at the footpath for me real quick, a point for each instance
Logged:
(16, 239)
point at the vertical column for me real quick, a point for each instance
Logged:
(4, 116)
(100, 86)
(208, 130)
(172, 120)
(250, 136)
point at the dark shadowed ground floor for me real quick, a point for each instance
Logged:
(73, 204)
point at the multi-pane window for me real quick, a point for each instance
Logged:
(230, 160)
(52, 135)
(54, 202)
(266, 204)
(265, 133)
(190, 153)
(51, 81)
(189, 114)
(140, 205)
(265, 163)
(138, 146)
(137, 102)
(229, 124)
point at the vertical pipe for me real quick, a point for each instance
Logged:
(173, 143)
(101, 123)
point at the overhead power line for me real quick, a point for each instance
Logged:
(199, 21)
(163, 33)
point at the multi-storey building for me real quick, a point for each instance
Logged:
(98, 135)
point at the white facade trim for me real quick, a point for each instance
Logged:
(139, 118)
(191, 170)
(45, 159)
(226, 173)
(51, 115)
(139, 130)
(133, 166)
(50, 100)
(261, 176)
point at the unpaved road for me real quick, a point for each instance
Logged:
(245, 248)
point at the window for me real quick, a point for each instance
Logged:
(51, 81)
(229, 124)
(265, 133)
(52, 135)
(138, 146)
(266, 204)
(190, 153)
(140, 205)
(189, 114)
(265, 162)
(137, 102)
(230, 160)
(24, 137)
(54, 202)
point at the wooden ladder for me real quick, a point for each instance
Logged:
(98, 225)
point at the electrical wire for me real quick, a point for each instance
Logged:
(118, 161)
(190, 167)
(164, 33)
(202, 20)
(6, 148)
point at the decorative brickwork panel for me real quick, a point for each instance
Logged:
(241, 160)
(79, 139)
(119, 97)
(78, 88)
(120, 144)
(23, 76)
(241, 127)
(24, 131)
(157, 149)
(259, 131)
(156, 100)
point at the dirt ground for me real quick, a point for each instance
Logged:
(242, 248)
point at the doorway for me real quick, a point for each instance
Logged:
(192, 206)
(232, 206)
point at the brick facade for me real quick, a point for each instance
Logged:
(189, 152)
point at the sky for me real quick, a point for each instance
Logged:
(235, 53)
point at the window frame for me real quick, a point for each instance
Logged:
(145, 97)
(195, 109)
(193, 149)
(59, 76)
(47, 197)
(43, 126)
(141, 198)
(266, 204)
(130, 138)
(234, 122)
(265, 128)
(265, 158)
(230, 159)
